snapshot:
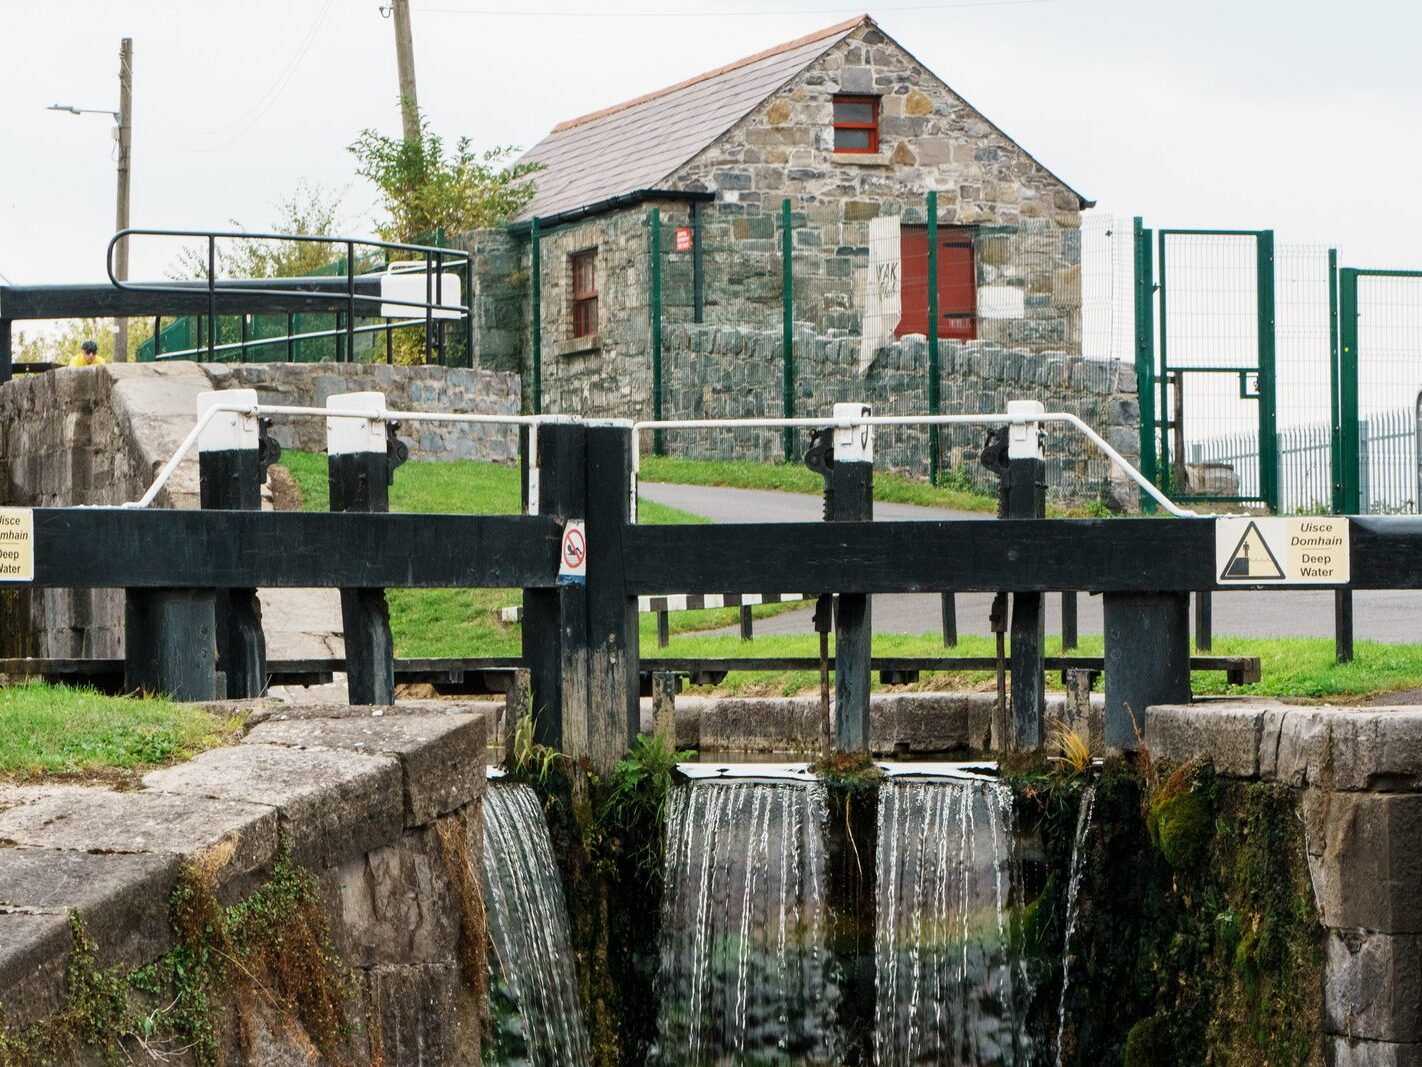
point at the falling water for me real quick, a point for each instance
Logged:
(948, 984)
(538, 1019)
(1078, 867)
(744, 965)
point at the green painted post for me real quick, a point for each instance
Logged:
(535, 305)
(656, 250)
(1268, 395)
(1145, 356)
(933, 398)
(1162, 446)
(1335, 440)
(787, 328)
(1348, 387)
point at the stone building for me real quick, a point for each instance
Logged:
(842, 133)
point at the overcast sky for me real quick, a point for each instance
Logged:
(1301, 115)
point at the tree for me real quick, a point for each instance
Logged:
(423, 187)
(62, 344)
(313, 210)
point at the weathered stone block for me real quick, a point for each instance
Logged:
(1226, 734)
(1364, 859)
(1377, 749)
(201, 828)
(332, 805)
(123, 899)
(1372, 985)
(33, 951)
(1360, 1052)
(441, 758)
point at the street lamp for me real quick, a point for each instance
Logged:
(123, 133)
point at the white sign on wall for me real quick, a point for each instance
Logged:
(883, 288)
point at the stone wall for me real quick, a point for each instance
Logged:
(381, 806)
(1357, 773)
(724, 372)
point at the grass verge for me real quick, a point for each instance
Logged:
(1296, 667)
(439, 623)
(59, 731)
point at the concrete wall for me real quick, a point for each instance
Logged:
(370, 805)
(1357, 773)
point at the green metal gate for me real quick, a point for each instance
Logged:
(1205, 353)
(1379, 375)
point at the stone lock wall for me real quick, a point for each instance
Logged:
(381, 805)
(1357, 773)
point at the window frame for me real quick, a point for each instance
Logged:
(583, 302)
(872, 126)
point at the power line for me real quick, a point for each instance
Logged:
(719, 14)
(259, 108)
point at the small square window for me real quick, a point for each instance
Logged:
(856, 123)
(583, 266)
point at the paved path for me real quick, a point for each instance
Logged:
(1378, 615)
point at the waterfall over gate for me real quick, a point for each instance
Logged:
(744, 964)
(534, 995)
(949, 988)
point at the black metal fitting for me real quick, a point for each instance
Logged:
(268, 447)
(820, 459)
(396, 451)
(994, 459)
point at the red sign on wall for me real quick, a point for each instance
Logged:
(683, 240)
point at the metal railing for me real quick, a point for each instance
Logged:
(431, 263)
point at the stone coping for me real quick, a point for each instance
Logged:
(335, 786)
(1374, 749)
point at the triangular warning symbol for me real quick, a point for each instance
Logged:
(1252, 560)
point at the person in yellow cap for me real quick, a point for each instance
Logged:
(88, 356)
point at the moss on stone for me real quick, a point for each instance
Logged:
(1180, 815)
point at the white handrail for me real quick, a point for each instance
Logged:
(168, 469)
(986, 419)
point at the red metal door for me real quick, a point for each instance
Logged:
(957, 283)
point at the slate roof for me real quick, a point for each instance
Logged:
(637, 144)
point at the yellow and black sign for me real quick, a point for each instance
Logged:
(17, 545)
(1267, 551)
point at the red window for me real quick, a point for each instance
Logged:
(584, 268)
(856, 123)
(957, 283)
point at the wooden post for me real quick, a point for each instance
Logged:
(613, 711)
(1027, 499)
(359, 473)
(169, 643)
(950, 620)
(851, 499)
(1068, 619)
(230, 478)
(555, 620)
(515, 711)
(7, 359)
(1343, 625)
(747, 623)
(1204, 620)
(1147, 660)
(664, 705)
(663, 629)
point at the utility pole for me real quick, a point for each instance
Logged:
(125, 144)
(405, 59)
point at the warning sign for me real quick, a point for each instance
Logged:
(573, 556)
(1265, 551)
(17, 545)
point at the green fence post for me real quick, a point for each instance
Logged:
(1268, 394)
(535, 304)
(933, 399)
(657, 327)
(1145, 355)
(1162, 413)
(1348, 388)
(1335, 440)
(787, 328)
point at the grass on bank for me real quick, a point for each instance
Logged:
(1296, 667)
(57, 730)
(439, 623)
